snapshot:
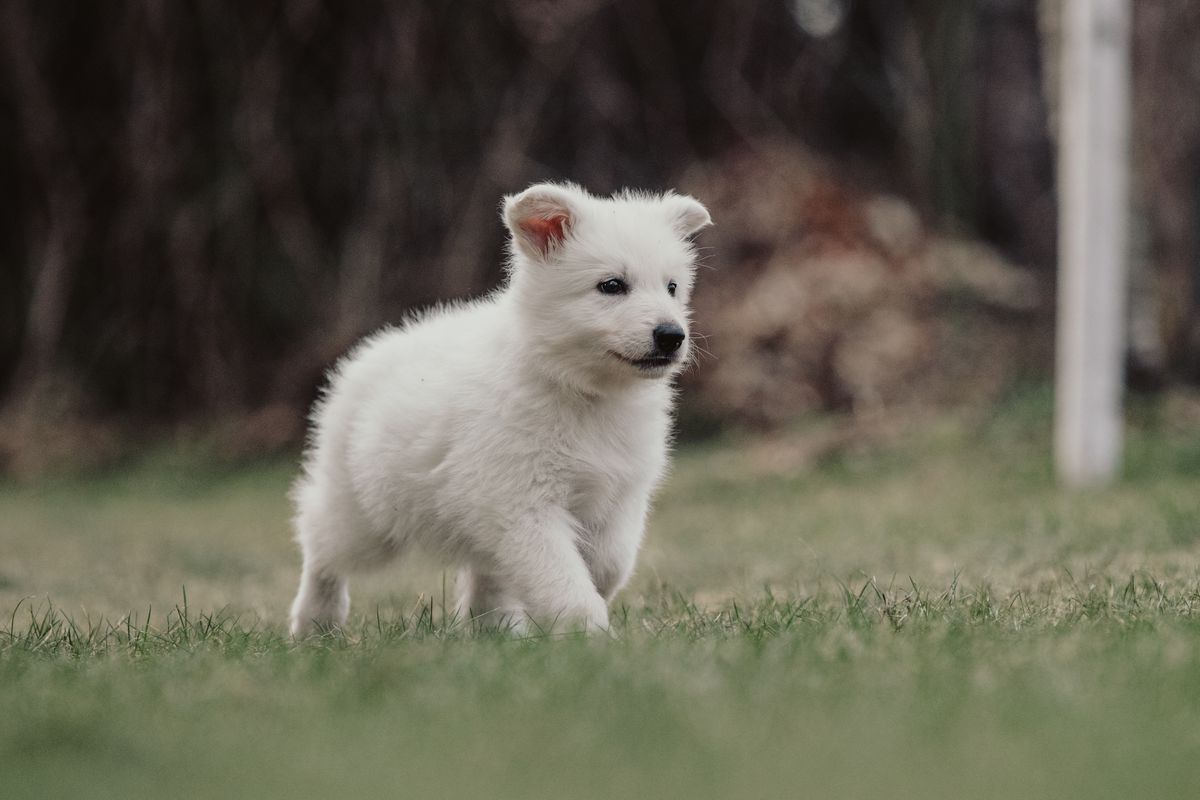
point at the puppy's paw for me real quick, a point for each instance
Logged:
(589, 616)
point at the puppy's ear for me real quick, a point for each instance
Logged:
(540, 218)
(686, 214)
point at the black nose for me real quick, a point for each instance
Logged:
(668, 338)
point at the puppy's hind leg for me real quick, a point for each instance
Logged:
(484, 603)
(322, 603)
(328, 534)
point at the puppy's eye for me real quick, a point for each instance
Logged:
(613, 286)
(671, 287)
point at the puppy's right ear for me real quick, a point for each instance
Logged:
(540, 218)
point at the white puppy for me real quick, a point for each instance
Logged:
(519, 436)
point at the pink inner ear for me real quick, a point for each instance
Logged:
(544, 231)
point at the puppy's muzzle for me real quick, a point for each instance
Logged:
(668, 338)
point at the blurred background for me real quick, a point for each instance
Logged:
(205, 204)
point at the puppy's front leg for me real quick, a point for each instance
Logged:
(615, 547)
(538, 561)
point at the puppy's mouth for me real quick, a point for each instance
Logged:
(650, 363)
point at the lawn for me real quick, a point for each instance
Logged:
(925, 616)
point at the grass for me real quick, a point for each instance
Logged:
(927, 618)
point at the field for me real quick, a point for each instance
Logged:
(926, 617)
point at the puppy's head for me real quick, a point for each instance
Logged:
(604, 282)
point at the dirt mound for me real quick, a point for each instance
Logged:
(824, 296)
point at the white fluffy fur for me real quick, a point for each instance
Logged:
(508, 435)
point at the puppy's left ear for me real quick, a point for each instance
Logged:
(539, 219)
(686, 213)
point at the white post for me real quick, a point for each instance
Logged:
(1093, 184)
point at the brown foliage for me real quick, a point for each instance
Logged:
(844, 299)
